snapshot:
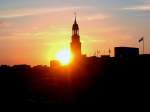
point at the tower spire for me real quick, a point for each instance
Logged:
(75, 15)
(75, 27)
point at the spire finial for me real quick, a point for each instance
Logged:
(75, 14)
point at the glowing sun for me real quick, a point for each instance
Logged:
(64, 56)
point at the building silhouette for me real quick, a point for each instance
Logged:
(126, 52)
(75, 41)
(90, 81)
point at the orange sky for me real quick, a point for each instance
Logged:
(34, 35)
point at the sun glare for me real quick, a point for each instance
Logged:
(64, 56)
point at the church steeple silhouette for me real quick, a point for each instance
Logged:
(75, 40)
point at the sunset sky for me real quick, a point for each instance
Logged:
(33, 31)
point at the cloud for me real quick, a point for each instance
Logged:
(35, 11)
(4, 24)
(138, 8)
(1, 23)
(97, 17)
(88, 13)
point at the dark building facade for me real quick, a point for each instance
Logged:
(75, 40)
(126, 52)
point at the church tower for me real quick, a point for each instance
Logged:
(75, 40)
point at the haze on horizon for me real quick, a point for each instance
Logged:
(32, 32)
